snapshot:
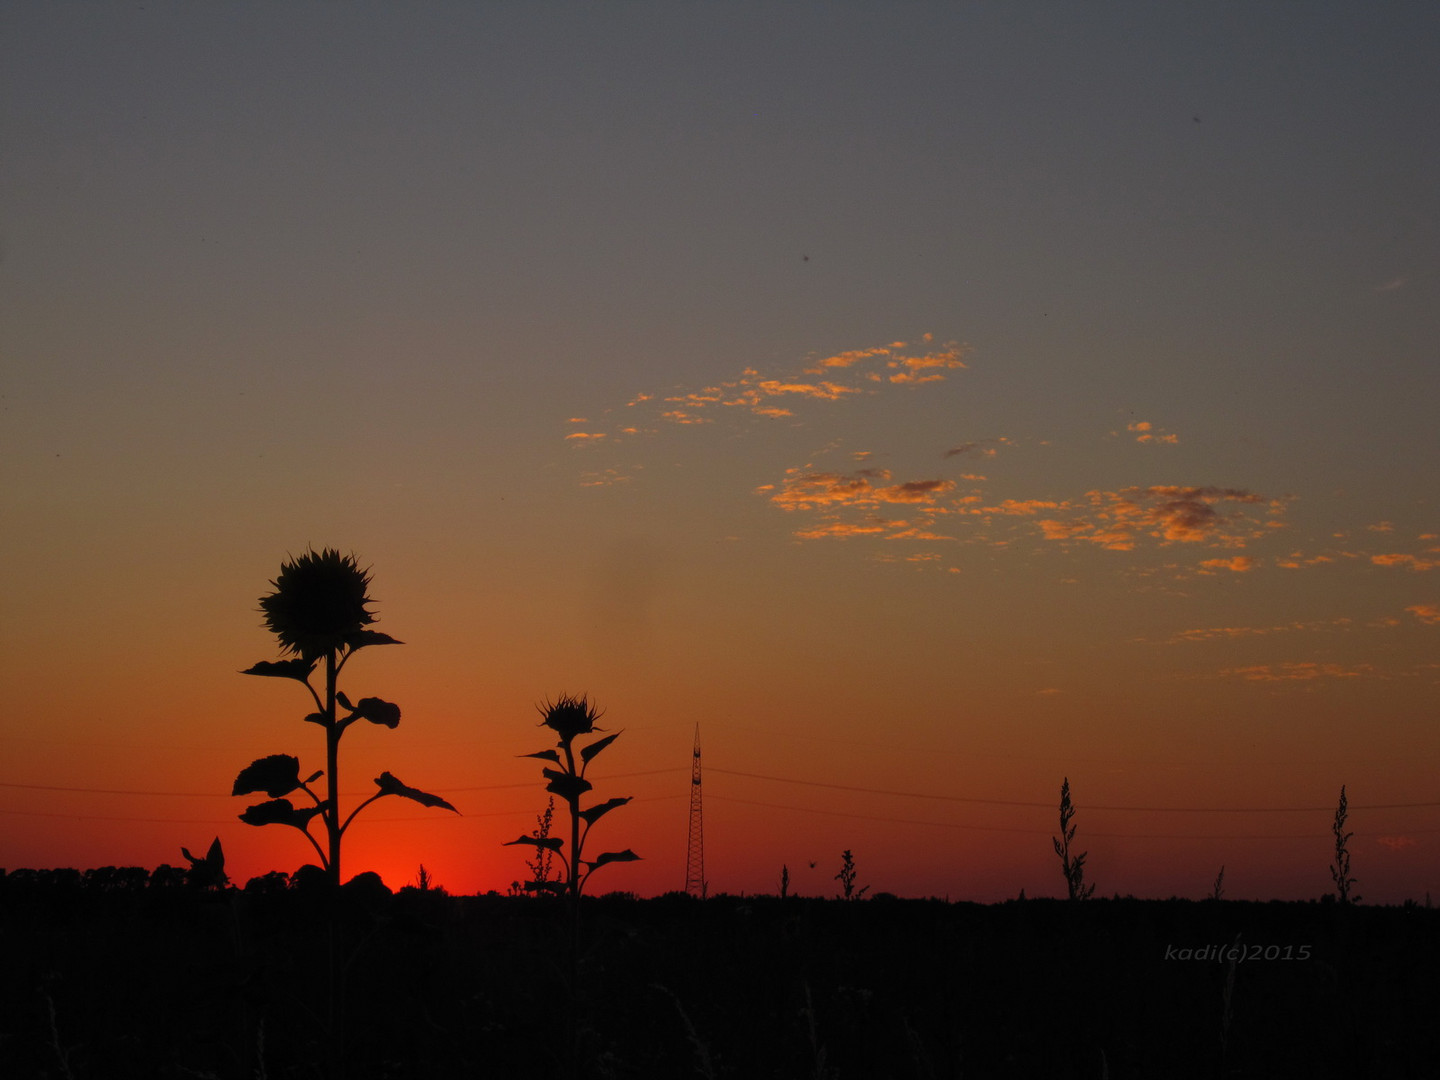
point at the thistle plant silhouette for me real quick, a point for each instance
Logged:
(540, 867)
(207, 872)
(320, 614)
(570, 717)
(846, 877)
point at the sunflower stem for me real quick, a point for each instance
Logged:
(332, 766)
(367, 802)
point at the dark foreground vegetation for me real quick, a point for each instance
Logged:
(120, 979)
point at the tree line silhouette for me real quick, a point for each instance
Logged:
(322, 978)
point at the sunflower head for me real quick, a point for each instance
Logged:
(569, 716)
(319, 603)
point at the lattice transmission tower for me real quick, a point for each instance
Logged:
(695, 857)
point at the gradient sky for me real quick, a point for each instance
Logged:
(929, 401)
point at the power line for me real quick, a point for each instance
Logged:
(230, 821)
(1087, 806)
(1036, 832)
(348, 794)
(752, 776)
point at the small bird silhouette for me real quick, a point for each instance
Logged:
(805, 258)
(812, 864)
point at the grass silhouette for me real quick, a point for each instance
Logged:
(1073, 866)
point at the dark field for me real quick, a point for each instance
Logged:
(170, 982)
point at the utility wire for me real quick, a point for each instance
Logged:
(771, 779)
(1087, 806)
(1036, 832)
(354, 794)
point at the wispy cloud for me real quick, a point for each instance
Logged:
(832, 378)
(984, 447)
(1146, 432)
(1217, 517)
(1213, 633)
(1418, 563)
(1300, 671)
(802, 490)
(1238, 564)
(603, 478)
(1297, 560)
(1396, 843)
(1429, 614)
(842, 529)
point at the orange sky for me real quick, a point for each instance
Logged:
(929, 405)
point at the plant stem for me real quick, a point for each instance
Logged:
(332, 768)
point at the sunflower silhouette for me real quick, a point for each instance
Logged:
(320, 604)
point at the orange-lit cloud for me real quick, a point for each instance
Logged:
(1413, 562)
(1298, 559)
(915, 557)
(1146, 432)
(808, 490)
(1019, 507)
(1429, 614)
(918, 533)
(1216, 517)
(986, 447)
(1213, 632)
(842, 529)
(1396, 843)
(1239, 564)
(851, 358)
(603, 478)
(919, 369)
(831, 378)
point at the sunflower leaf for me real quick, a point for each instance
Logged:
(376, 711)
(390, 786)
(612, 856)
(567, 785)
(361, 638)
(279, 812)
(545, 755)
(594, 814)
(550, 843)
(588, 752)
(276, 775)
(298, 669)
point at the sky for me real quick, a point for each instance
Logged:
(928, 403)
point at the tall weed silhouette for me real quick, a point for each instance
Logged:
(1073, 866)
(1340, 870)
(847, 876)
